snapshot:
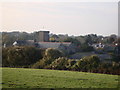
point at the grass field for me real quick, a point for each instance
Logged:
(41, 78)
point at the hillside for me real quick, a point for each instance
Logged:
(41, 78)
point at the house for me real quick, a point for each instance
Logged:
(98, 45)
(24, 43)
(67, 47)
(42, 41)
(109, 48)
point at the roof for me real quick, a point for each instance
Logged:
(53, 44)
(21, 41)
(42, 44)
(24, 42)
(57, 42)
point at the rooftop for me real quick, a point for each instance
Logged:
(57, 42)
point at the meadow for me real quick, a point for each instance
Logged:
(42, 78)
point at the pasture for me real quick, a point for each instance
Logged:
(42, 78)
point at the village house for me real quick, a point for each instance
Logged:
(98, 45)
(42, 41)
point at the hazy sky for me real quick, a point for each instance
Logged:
(73, 18)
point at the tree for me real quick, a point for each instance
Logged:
(88, 63)
(112, 38)
(11, 37)
(86, 48)
(59, 63)
(21, 56)
(54, 38)
(73, 40)
(52, 53)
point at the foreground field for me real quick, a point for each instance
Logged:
(41, 78)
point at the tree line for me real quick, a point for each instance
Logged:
(31, 57)
(9, 37)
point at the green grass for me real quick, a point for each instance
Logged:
(41, 78)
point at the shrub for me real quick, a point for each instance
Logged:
(50, 56)
(39, 64)
(52, 53)
(88, 63)
(59, 63)
(86, 48)
(20, 56)
(115, 57)
(70, 63)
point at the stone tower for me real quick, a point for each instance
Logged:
(42, 36)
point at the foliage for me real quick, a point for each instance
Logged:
(53, 59)
(115, 57)
(9, 37)
(109, 68)
(54, 38)
(20, 56)
(70, 64)
(88, 63)
(100, 50)
(52, 53)
(86, 48)
(112, 38)
(42, 63)
(59, 63)
(73, 40)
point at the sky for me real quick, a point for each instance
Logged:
(72, 18)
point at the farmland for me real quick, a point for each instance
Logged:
(42, 78)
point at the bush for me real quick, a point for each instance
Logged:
(70, 64)
(21, 56)
(115, 57)
(39, 64)
(59, 63)
(52, 53)
(88, 63)
(86, 48)
(109, 68)
(50, 56)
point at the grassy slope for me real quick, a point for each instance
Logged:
(41, 78)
